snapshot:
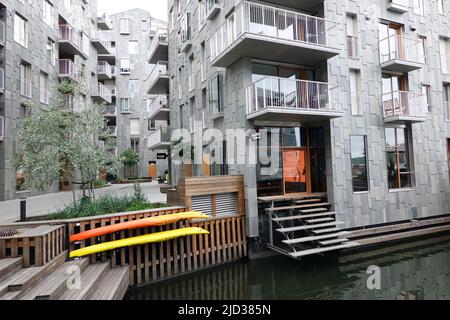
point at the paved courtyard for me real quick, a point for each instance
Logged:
(42, 205)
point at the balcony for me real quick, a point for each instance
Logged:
(281, 99)
(2, 33)
(212, 8)
(109, 57)
(112, 131)
(403, 106)
(101, 94)
(400, 54)
(159, 49)
(400, 6)
(104, 71)
(68, 70)
(99, 42)
(69, 101)
(159, 79)
(269, 33)
(2, 128)
(159, 140)
(159, 109)
(110, 111)
(104, 22)
(70, 43)
(2, 80)
(303, 5)
(112, 88)
(25, 88)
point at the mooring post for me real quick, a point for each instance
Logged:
(23, 209)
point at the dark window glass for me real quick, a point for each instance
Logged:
(360, 179)
(294, 137)
(398, 160)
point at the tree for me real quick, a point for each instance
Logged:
(129, 158)
(57, 141)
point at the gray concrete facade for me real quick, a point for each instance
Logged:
(430, 192)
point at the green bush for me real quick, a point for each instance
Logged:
(106, 205)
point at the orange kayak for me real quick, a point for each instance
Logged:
(138, 224)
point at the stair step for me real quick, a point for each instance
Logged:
(9, 266)
(321, 250)
(307, 201)
(55, 284)
(313, 210)
(11, 295)
(113, 285)
(335, 241)
(91, 277)
(299, 207)
(27, 277)
(303, 216)
(320, 220)
(314, 238)
(308, 227)
(322, 231)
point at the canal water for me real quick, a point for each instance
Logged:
(412, 270)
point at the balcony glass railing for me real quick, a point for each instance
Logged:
(401, 48)
(403, 104)
(271, 22)
(97, 35)
(159, 103)
(445, 64)
(352, 47)
(103, 92)
(2, 80)
(68, 33)
(157, 40)
(68, 68)
(162, 135)
(111, 110)
(160, 69)
(2, 33)
(25, 88)
(112, 88)
(105, 68)
(295, 95)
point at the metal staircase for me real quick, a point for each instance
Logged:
(306, 227)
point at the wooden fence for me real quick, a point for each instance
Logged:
(37, 246)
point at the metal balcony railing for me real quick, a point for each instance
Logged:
(102, 91)
(2, 33)
(352, 47)
(69, 101)
(295, 95)
(397, 47)
(445, 64)
(403, 104)
(68, 33)
(111, 110)
(162, 135)
(160, 69)
(271, 22)
(68, 68)
(2, 80)
(104, 68)
(25, 88)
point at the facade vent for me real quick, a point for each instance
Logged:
(226, 204)
(203, 204)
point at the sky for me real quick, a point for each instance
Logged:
(157, 8)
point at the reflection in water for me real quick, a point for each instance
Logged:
(413, 270)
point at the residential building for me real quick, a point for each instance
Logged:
(353, 95)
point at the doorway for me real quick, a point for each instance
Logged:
(295, 173)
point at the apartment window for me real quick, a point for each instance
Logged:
(25, 80)
(68, 5)
(418, 7)
(447, 101)
(125, 105)
(192, 114)
(134, 144)
(125, 66)
(203, 62)
(355, 92)
(135, 127)
(171, 20)
(51, 51)
(178, 6)
(43, 88)
(352, 36)
(442, 6)
(124, 25)
(360, 177)
(231, 28)
(186, 32)
(398, 158)
(144, 25)
(448, 156)
(133, 47)
(201, 14)
(444, 47)
(180, 87)
(48, 13)
(133, 86)
(181, 110)
(191, 74)
(86, 43)
(21, 30)
(423, 47)
(426, 91)
(216, 94)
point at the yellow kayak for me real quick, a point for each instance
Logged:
(149, 238)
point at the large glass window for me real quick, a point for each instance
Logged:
(51, 51)
(21, 30)
(216, 94)
(124, 26)
(125, 105)
(358, 146)
(398, 158)
(48, 13)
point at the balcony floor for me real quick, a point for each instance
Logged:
(67, 48)
(293, 115)
(103, 76)
(274, 49)
(160, 146)
(100, 99)
(161, 53)
(160, 85)
(100, 46)
(162, 114)
(404, 119)
(401, 66)
(305, 5)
